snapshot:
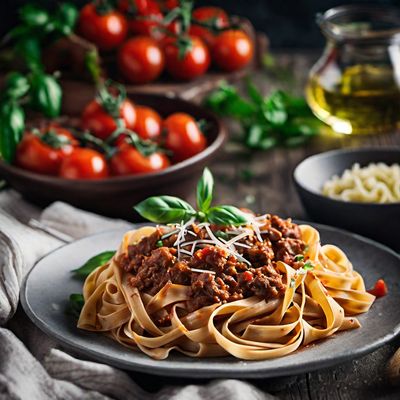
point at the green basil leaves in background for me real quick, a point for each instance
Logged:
(266, 122)
(165, 209)
(37, 89)
(12, 125)
(93, 263)
(169, 209)
(46, 94)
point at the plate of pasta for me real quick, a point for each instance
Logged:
(217, 292)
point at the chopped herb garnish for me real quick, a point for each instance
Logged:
(221, 235)
(299, 257)
(292, 283)
(308, 266)
(159, 243)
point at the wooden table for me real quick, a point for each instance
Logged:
(270, 189)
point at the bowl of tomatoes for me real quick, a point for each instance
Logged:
(107, 153)
(167, 46)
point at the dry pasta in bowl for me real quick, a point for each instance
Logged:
(374, 183)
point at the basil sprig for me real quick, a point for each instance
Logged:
(170, 209)
(37, 90)
(94, 262)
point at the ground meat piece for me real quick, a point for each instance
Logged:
(130, 264)
(211, 258)
(180, 273)
(152, 275)
(287, 249)
(206, 289)
(286, 227)
(259, 254)
(266, 282)
(145, 246)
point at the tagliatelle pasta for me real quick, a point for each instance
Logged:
(375, 183)
(313, 304)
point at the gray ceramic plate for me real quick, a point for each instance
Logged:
(47, 287)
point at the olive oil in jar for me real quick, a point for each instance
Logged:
(366, 99)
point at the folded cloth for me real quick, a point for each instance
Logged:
(32, 366)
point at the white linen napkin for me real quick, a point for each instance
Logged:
(32, 367)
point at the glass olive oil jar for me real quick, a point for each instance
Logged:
(355, 86)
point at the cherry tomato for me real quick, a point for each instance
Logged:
(232, 50)
(147, 16)
(84, 163)
(171, 4)
(96, 120)
(128, 160)
(208, 14)
(148, 123)
(194, 64)
(141, 60)
(184, 137)
(380, 289)
(43, 153)
(106, 31)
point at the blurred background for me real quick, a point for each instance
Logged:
(288, 23)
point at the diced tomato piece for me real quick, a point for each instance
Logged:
(380, 289)
(247, 276)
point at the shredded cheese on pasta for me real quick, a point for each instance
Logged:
(375, 183)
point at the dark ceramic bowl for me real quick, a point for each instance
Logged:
(115, 196)
(378, 221)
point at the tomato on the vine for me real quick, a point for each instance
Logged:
(128, 160)
(141, 60)
(146, 16)
(232, 50)
(84, 163)
(98, 121)
(183, 136)
(215, 15)
(44, 151)
(106, 30)
(148, 123)
(192, 64)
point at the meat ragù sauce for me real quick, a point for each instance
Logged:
(217, 264)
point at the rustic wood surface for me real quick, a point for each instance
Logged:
(262, 181)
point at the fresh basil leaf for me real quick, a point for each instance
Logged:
(29, 48)
(165, 209)
(226, 215)
(16, 86)
(66, 17)
(33, 15)
(46, 95)
(75, 304)
(254, 93)
(274, 109)
(204, 191)
(12, 125)
(255, 135)
(90, 265)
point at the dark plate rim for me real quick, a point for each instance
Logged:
(220, 137)
(245, 369)
(299, 182)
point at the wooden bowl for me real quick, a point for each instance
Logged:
(116, 196)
